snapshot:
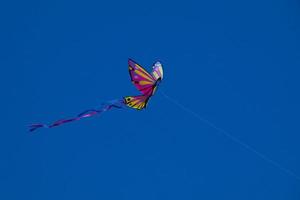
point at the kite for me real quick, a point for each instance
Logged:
(145, 82)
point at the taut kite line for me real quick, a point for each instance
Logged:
(145, 82)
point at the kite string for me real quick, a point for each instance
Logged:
(233, 138)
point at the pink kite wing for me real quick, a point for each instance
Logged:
(142, 80)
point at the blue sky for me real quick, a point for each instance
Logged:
(235, 63)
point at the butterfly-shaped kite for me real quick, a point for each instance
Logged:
(145, 82)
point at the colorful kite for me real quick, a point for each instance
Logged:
(145, 82)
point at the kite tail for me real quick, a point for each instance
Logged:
(88, 113)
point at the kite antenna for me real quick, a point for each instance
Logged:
(233, 138)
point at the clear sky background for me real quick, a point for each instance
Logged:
(235, 63)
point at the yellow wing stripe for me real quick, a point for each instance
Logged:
(145, 83)
(142, 105)
(142, 69)
(134, 101)
(139, 68)
(137, 106)
(144, 72)
(143, 75)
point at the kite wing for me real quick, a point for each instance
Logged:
(137, 102)
(142, 80)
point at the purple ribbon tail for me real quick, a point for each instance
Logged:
(33, 127)
(88, 113)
